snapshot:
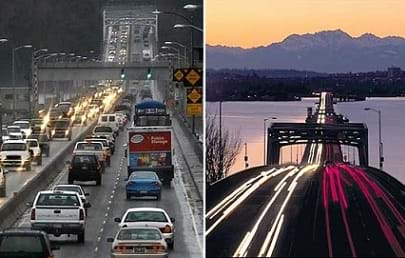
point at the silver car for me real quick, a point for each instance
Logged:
(138, 242)
(150, 217)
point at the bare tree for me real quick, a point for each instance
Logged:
(230, 146)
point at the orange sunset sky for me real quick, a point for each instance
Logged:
(250, 23)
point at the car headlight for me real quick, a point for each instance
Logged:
(67, 131)
(53, 131)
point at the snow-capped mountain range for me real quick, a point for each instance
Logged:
(325, 51)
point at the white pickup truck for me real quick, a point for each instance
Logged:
(15, 153)
(59, 212)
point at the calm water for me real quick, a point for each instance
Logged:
(247, 118)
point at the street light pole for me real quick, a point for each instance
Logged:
(13, 75)
(220, 139)
(380, 146)
(380, 143)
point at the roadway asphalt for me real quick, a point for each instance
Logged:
(310, 210)
(109, 201)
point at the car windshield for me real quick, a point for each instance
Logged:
(69, 188)
(103, 129)
(56, 199)
(13, 147)
(14, 130)
(136, 216)
(142, 175)
(20, 244)
(88, 146)
(22, 125)
(139, 234)
(84, 159)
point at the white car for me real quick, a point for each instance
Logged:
(138, 242)
(102, 130)
(15, 153)
(95, 148)
(73, 188)
(150, 217)
(35, 150)
(59, 212)
(25, 127)
(15, 132)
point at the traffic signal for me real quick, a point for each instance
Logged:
(149, 74)
(122, 73)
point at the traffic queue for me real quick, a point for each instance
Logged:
(26, 140)
(142, 231)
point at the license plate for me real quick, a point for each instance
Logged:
(139, 250)
(84, 168)
(57, 225)
(144, 192)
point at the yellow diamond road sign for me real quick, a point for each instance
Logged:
(179, 75)
(193, 77)
(194, 95)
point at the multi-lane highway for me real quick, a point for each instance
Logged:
(322, 207)
(109, 201)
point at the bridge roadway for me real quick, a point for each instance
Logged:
(310, 209)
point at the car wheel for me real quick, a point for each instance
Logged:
(171, 245)
(109, 162)
(159, 196)
(47, 153)
(128, 196)
(80, 237)
(28, 167)
(70, 180)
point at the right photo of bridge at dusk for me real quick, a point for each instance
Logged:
(304, 127)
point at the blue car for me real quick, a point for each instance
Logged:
(144, 183)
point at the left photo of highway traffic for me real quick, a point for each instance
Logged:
(101, 106)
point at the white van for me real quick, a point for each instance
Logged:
(109, 120)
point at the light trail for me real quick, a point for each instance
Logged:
(243, 197)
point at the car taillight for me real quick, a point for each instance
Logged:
(33, 214)
(166, 229)
(158, 248)
(81, 214)
(120, 248)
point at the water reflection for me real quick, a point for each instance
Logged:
(247, 117)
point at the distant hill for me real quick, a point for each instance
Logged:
(326, 52)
